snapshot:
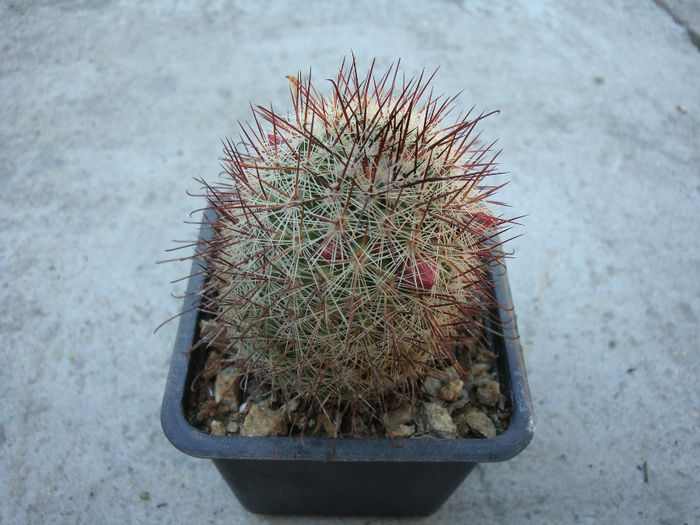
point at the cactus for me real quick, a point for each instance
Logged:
(352, 238)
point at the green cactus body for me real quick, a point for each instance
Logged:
(351, 241)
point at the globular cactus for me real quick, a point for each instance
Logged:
(351, 241)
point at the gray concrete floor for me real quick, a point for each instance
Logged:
(107, 112)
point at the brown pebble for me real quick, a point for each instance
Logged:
(211, 408)
(399, 416)
(263, 421)
(144, 494)
(438, 420)
(479, 423)
(460, 402)
(480, 369)
(451, 390)
(489, 394)
(451, 374)
(325, 422)
(463, 429)
(401, 431)
(359, 426)
(226, 388)
(210, 367)
(209, 330)
(217, 428)
(431, 386)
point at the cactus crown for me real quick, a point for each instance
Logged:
(351, 240)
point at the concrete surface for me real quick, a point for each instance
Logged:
(109, 109)
(685, 13)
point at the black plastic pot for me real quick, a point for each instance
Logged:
(345, 477)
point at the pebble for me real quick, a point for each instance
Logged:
(479, 422)
(210, 408)
(217, 428)
(489, 393)
(226, 388)
(291, 406)
(263, 421)
(438, 419)
(401, 431)
(399, 416)
(326, 423)
(451, 374)
(359, 426)
(480, 368)
(460, 402)
(144, 494)
(451, 390)
(208, 328)
(431, 386)
(462, 427)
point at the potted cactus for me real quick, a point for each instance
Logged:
(347, 300)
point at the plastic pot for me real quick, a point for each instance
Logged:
(346, 477)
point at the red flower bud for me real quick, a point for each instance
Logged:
(274, 140)
(331, 251)
(485, 220)
(419, 275)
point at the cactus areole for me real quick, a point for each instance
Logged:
(351, 241)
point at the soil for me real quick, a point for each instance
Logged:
(449, 406)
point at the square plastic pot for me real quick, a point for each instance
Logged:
(347, 477)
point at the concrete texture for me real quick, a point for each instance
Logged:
(685, 13)
(109, 109)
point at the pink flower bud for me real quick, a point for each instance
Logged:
(485, 220)
(419, 275)
(274, 140)
(331, 251)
